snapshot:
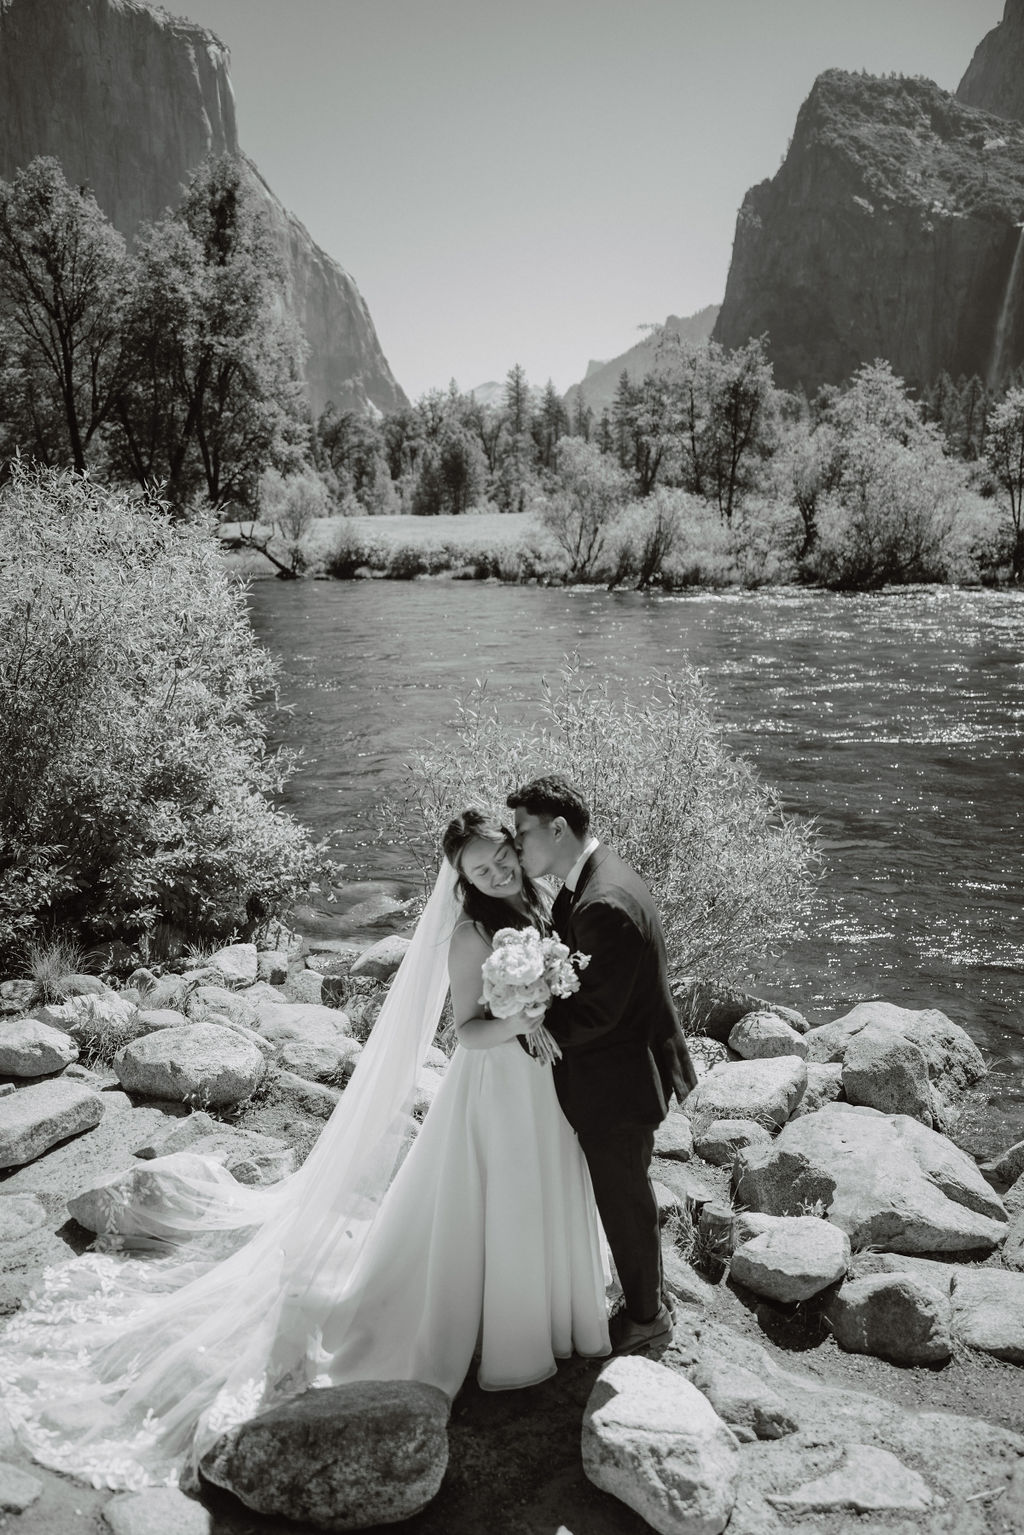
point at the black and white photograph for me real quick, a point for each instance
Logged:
(512, 767)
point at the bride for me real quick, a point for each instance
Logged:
(120, 1370)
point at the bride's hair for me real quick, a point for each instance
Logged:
(488, 910)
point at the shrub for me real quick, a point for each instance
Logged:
(894, 518)
(730, 873)
(589, 494)
(135, 777)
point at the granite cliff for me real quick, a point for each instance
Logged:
(130, 99)
(891, 230)
(994, 79)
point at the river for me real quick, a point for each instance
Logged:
(895, 720)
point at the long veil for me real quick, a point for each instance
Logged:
(119, 1369)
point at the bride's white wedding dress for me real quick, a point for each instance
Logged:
(121, 1369)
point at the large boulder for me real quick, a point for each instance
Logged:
(953, 1060)
(29, 1048)
(203, 1064)
(304, 986)
(342, 1458)
(1007, 1167)
(887, 1071)
(764, 1091)
(759, 1036)
(304, 1023)
(159, 1200)
(886, 1180)
(896, 1316)
(653, 1441)
(715, 1010)
(988, 1311)
(43, 1114)
(795, 1259)
(824, 1085)
(200, 1002)
(238, 963)
(332, 1062)
(719, 1141)
(380, 961)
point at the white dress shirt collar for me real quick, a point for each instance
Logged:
(577, 869)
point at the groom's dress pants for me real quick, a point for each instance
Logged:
(619, 1161)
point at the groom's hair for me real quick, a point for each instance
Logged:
(550, 796)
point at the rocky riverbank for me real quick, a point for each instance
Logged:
(849, 1283)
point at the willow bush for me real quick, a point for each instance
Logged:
(731, 874)
(135, 782)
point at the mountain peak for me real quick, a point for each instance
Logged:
(994, 79)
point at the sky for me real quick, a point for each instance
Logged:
(533, 181)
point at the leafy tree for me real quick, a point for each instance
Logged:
(589, 494)
(719, 411)
(62, 271)
(582, 417)
(452, 473)
(550, 424)
(348, 447)
(1004, 451)
(974, 404)
(216, 396)
(518, 405)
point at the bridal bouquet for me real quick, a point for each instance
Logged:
(524, 971)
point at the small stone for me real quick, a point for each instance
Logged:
(157, 1511)
(18, 1489)
(674, 1138)
(19, 1215)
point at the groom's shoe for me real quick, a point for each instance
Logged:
(629, 1337)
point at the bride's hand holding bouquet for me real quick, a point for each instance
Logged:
(521, 975)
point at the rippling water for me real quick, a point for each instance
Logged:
(895, 720)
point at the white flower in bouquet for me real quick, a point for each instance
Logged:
(524, 971)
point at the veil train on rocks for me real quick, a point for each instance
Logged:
(120, 1370)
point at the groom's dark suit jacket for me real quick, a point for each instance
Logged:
(623, 1051)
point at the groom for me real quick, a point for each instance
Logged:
(623, 1052)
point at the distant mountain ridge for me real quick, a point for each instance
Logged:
(890, 230)
(130, 99)
(602, 378)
